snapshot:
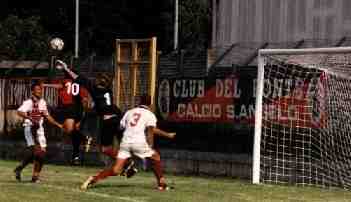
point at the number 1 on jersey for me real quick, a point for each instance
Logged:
(108, 98)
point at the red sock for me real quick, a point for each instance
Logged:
(111, 152)
(157, 169)
(36, 168)
(104, 174)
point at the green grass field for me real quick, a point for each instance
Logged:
(61, 184)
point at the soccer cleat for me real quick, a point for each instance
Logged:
(87, 183)
(76, 161)
(131, 172)
(35, 180)
(163, 187)
(17, 174)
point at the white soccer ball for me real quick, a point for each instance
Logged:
(56, 44)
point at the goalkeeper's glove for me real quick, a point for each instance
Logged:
(60, 64)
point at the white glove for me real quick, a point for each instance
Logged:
(60, 65)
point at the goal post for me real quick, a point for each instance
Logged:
(303, 117)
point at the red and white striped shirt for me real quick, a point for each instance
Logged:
(36, 110)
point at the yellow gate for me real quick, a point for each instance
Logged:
(135, 71)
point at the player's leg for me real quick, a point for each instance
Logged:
(86, 139)
(69, 130)
(27, 159)
(116, 169)
(155, 160)
(39, 156)
(110, 130)
(154, 157)
(76, 137)
(107, 134)
(123, 155)
(39, 153)
(28, 152)
(145, 151)
(129, 169)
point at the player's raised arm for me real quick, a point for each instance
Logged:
(88, 84)
(62, 65)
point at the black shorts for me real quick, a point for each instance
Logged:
(109, 129)
(69, 112)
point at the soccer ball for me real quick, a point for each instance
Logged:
(57, 44)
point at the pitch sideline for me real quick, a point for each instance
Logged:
(79, 191)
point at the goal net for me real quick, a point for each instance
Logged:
(303, 117)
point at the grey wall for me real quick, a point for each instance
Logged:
(279, 20)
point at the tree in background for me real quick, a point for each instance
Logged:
(23, 38)
(101, 22)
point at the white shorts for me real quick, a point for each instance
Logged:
(29, 137)
(142, 150)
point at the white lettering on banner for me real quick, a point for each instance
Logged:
(227, 88)
(188, 88)
(246, 112)
(191, 110)
(297, 88)
(277, 88)
(176, 87)
(201, 88)
(274, 112)
(214, 111)
(185, 89)
(243, 113)
(230, 111)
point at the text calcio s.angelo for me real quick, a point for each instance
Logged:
(215, 102)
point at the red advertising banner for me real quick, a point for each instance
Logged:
(204, 100)
(294, 103)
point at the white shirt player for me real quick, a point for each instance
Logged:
(27, 107)
(134, 123)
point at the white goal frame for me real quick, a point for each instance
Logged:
(259, 94)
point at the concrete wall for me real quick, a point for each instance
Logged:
(174, 161)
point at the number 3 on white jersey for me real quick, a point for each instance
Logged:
(134, 120)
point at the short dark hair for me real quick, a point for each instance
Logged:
(145, 100)
(34, 84)
(105, 79)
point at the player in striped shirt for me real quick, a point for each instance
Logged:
(34, 111)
